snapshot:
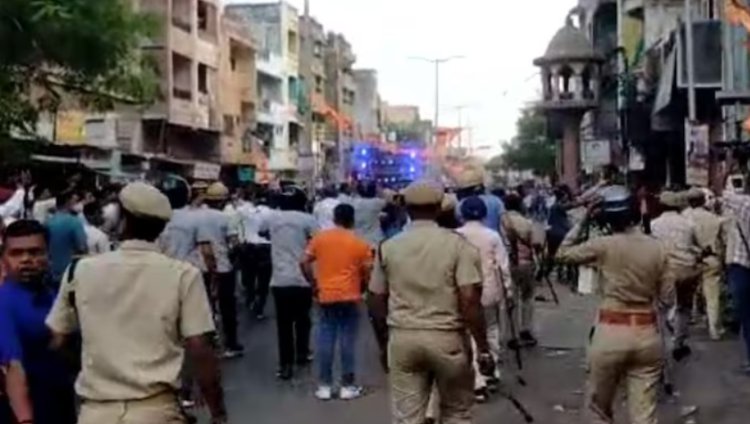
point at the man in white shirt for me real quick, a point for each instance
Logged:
(496, 274)
(96, 240)
(323, 210)
(256, 254)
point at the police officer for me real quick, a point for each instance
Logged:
(635, 275)
(471, 183)
(139, 312)
(710, 231)
(427, 282)
(679, 234)
(524, 240)
(223, 237)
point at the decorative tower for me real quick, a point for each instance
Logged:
(570, 85)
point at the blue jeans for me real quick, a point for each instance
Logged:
(739, 284)
(338, 322)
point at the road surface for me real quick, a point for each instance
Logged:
(555, 373)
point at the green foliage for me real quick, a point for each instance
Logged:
(86, 48)
(530, 149)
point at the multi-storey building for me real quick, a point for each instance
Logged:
(367, 112)
(184, 125)
(316, 110)
(275, 27)
(237, 76)
(198, 119)
(340, 95)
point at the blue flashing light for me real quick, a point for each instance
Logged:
(363, 165)
(412, 155)
(412, 169)
(364, 152)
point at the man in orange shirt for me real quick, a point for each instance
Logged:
(343, 263)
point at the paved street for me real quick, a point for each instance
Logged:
(555, 374)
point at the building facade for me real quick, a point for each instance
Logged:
(340, 95)
(275, 27)
(185, 124)
(237, 75)
(367, 111)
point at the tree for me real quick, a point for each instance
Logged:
(530, 149)
(89, 49)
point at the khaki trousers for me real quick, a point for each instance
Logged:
(711, 284)
(525, 287)
(630, 355)
(419, 359)
(159, 409)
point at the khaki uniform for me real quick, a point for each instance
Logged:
(523, 236)
(712, 239)
(680, 236)
(421, 269)
(634, 275)
(134, 308)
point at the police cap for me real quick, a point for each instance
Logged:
(423, 193)
(449, 202)
(145, 200)
(695, 194)
(470, 177)
(217, 191)
(671, 199)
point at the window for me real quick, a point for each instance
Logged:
(202, 16)
(181, 79)
(181, 14)
(203, 78)
(292, 42)
(228, 125)
(318, 49)
(318, 84)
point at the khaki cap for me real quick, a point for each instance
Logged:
(470, 177)
(671, 199)
(449, 203)
(217, 191)
(695, 193)
(423, 193)
(145, 200)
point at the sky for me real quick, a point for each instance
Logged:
(498, 40)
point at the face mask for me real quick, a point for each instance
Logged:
(78, 208)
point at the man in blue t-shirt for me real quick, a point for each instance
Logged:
(40, 384)
(67, 237)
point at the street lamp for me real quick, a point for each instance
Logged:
(437, 62)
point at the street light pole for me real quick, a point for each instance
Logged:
(437, 62)
(435, 168)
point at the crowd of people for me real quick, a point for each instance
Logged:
(447, 280)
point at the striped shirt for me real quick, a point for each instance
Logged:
(737, 206)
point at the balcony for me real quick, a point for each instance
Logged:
(270, 112)
(270, 64)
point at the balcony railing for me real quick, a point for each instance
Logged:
(182, 93)
(181, 23)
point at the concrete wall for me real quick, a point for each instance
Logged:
(366, 102)
(237, 81)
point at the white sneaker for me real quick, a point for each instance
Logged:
(350, 392)
(324, 393)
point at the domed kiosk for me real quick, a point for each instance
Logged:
(570, 86)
